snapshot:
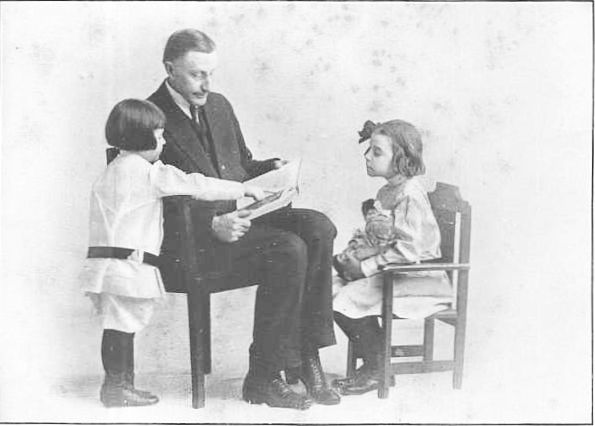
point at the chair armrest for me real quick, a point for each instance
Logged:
(417, 267)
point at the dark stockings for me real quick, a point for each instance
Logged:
(117, 352)
(366, 335)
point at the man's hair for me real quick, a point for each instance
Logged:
(131, 123)
(184, 41)
(407, 147)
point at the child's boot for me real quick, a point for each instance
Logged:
(117, 389)
(366, 335)
(366, 379)
(130, 367)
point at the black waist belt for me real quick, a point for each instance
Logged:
(123, 253)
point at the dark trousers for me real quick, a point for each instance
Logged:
(289, 254)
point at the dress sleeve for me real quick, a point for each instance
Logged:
(169, 180)
(406, 246)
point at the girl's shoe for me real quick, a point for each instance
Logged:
(364, 380)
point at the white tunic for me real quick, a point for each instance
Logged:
(127, 211)
(417, 237)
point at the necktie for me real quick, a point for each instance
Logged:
(197, 115)
(199, 121)
(194, 113)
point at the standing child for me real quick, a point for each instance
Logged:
(400, 228)
(120, 274)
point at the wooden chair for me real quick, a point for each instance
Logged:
(181, 275)
(453, 215)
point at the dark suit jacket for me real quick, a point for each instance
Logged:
(184, 150)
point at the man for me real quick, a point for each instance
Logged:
(287, 252)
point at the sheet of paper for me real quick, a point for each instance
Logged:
(282, 179)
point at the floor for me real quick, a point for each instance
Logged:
(500, 386)
(416, 398)
(76, 400)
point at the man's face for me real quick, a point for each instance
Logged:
(190, 75)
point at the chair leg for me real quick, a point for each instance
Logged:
(207, 334)
(198, 389)
(428, 354)
(351, 359)
(197, 351)
(387, 320)
(459, 352)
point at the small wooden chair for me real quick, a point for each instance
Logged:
(453, 215)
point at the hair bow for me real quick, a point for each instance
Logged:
(366, 132)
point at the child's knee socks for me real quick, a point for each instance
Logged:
(117, 352)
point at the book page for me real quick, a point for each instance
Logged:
(277, 183)
(271, 203)
(277, 179)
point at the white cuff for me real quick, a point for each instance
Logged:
(369, 266)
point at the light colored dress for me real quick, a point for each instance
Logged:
(127, 211)
(416, 237)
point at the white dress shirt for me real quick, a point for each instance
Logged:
(179, 100)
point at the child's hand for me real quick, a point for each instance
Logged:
(362, 253)
(338, 260)
(351, 267)
(254, 192)
(279, 163)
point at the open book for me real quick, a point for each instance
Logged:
(281, 185)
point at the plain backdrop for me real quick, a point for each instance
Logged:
(501, 92)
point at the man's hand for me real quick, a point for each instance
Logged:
(277, 164)
(352, 268)
(232, 226)
(254, 192)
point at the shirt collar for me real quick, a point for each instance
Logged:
(397, 180)
(179, 100)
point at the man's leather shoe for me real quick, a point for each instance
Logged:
(313, 378)
(116, 391)
(274, 392)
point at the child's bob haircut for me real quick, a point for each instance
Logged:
(131, 123)
(407, 147)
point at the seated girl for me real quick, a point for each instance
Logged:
(400, 228)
